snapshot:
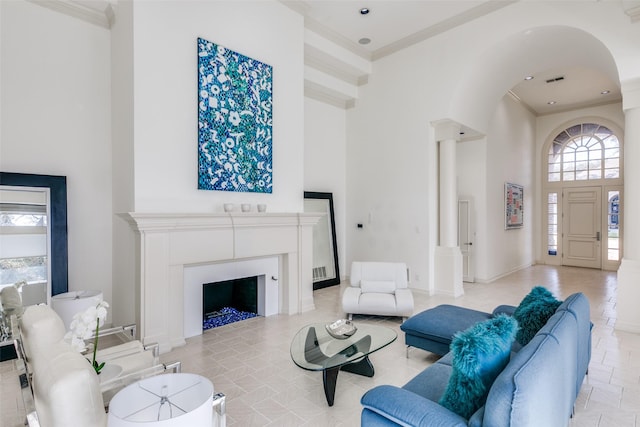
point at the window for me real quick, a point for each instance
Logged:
(613, 234)
(552, 224)
(583, 152)
(23, 243)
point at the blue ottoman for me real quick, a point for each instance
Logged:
(433, 329)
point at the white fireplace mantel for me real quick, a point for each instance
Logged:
(170, 241)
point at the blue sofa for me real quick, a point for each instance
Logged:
(538, 387)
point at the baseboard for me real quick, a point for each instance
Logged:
(627, 327)
(500, 276)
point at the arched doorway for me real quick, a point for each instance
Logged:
(496, 72)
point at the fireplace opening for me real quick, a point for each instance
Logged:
(229, 301)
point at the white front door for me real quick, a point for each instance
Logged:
(465, 239)
(582, 227)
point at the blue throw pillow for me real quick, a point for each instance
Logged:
(533, 312)
(479, 355)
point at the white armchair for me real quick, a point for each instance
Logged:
(57, 379)
(379, 288)
(40, 328)
(66, 391)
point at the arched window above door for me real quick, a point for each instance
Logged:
(584, 152)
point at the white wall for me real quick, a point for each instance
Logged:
(505, 155)
(56, 120)
(510, 158)
(471, 163)
(389, 152)
(125, 295)
(165, 95)
(325, 163)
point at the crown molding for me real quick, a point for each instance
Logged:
(313, 25)
(441, 27)
(97, 12)
(323, 94)
(517, 99)
(632, 9)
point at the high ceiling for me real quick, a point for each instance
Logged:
(391, 25)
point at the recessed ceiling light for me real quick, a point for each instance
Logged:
(364, 40)
(528, 78)
(364, 11)
(551, 102)
(605, 92)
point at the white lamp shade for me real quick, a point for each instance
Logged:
(70, 303)
(164, 401)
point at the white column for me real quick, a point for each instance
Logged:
(448, 194)
(629, 272)
(448, 258)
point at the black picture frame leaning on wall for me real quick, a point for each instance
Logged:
(325, 247)
(58, 222)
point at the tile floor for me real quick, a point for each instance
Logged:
(249, 361)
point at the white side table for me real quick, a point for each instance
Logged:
(164, 400)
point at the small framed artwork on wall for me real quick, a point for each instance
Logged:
(514, 205)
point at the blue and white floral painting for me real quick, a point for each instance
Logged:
(234, 121)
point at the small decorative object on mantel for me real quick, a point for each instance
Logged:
(235, 100)
(262, 207)
(341, 329)
(83, 325)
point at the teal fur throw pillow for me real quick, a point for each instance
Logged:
(480, 353)
(533, 312)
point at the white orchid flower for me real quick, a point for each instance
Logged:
(83, 326)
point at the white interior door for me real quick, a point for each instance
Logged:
(582, 227)
(465, 239)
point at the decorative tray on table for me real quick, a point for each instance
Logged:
(341, 329)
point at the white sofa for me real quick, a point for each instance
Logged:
(378, 288)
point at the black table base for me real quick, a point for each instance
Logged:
(338, 362)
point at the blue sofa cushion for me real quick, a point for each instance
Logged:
(430, 383)
(441, 322)
(386, 405)
(479, 354)
(533, 312)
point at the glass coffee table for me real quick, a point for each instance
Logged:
(314, 349)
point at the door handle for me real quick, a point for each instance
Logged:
(468, 244)
(597, 236)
